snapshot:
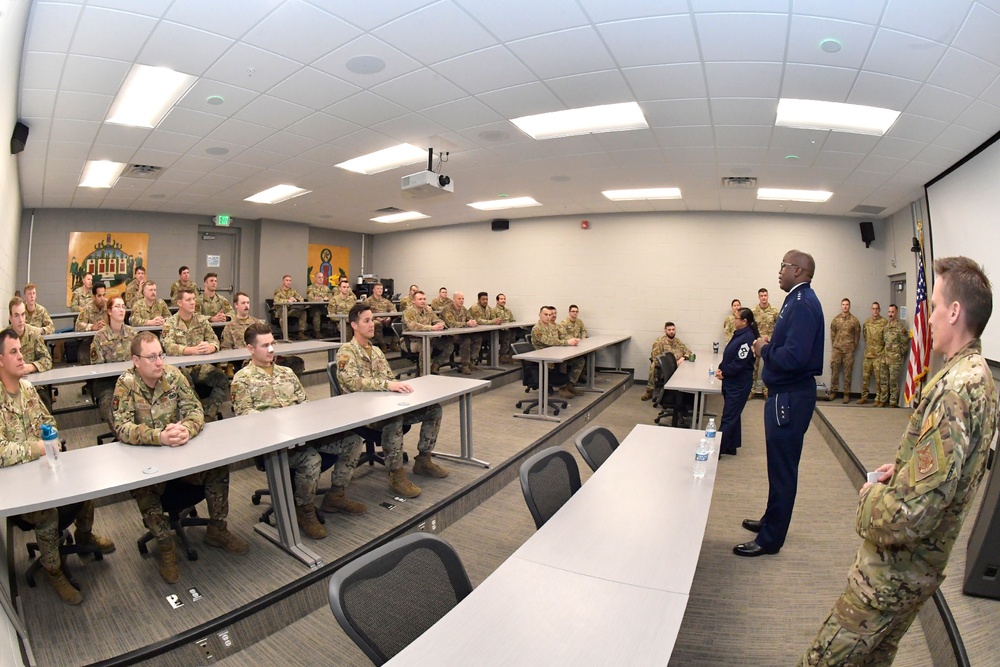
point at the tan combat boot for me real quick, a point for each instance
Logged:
(862, 400)
(466, 369)
(424, 465)
(308, 523)
(646, 396)
(435, 368)
(576, 392)
(168, 560)
(566, 392)
(401, 485)
(336, 500)
(847, 397)
(831, 395)
(65, 590)
(221, 537)
(92, 539)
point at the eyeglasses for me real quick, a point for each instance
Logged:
(152, 358)
(784, 264)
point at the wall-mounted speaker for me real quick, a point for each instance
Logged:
(867, 233)
(500, 225)
(18, 138)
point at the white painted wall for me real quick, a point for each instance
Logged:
(631, 272)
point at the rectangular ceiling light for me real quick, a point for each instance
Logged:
(277, 194)
(815, 115)
(386, 159)
(588, 120)
(643, 194)
(400, 217)
(780, 194)
(101, 174)
(506, 202)
(147, 95)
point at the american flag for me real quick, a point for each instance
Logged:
(920, 335)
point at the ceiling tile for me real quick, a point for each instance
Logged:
(506, 21)
(56, 22)
(689, 155)
(667, 82)
(189, 121)
(171, 142)
(882, 164)
(735, 154)
(195, 163)
(745, 111)
(980, 116)
(248, 67)
(365, 108)
(68, 150)
(563, 53)
(964, 73)
(419, 90)
(94, 75)
(203, 146)
(517, 101)
(410, 129)
(903, 149)
(313, 89)
(808, 32)
(880, 90)
(122, 135)
(739, 36)
(370, 15)
(861, 11)
(300, 32)
(940, 156)
(934, 102)
(130, 32)
(978, 35)
(230, 18)
(435, 33)
(82, 106)
(467, 71)
(641, 42)
(272, 112)
(42, 70)
(850, 142)
(461, 114)
(396, 63)
(322, 127)
(163, 159)
(240, 132)
(592, 89)
(817, 82)
(838, 160)
(233, 98)
(743, 79)
(742, 135)
(601, 11)
(73, 130)
(916, 128)
(36, 103)
(902, 55)
(960, 138)
(666, 113)
(911, 17)
(201, 48)
(669, 137)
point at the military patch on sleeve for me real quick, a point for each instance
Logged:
(342, 364)
(925, 456)
(114, 403)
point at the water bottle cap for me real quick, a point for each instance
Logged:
(48, 432)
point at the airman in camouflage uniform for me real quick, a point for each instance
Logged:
(35, 313)
(22, 414)
(168, 414)
(483, 315)
(573, 326)
(380, 304)
(95, 316)
(318, 291)
(232, 334)
(362, 367)
(146, 310)
(668, 343)
(133, 290)
(37, 358)
(285, 294)
(180, 334)
(845, 334)
(407, 300)
(82, 294)
(507, 336)
(441, 300)
(262, 385)
(729, 325)
(897, 341)
(112, 343)
(210, 303)
(420, 317)
(341, 303)
(183, 282)
(546, 333)
(765, 315)
(874, 334)
(456, 316)
(910, 519)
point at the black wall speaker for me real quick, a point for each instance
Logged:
(867, 233)
(19, 138)
(982, 560)
(500, 225)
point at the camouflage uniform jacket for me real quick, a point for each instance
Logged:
(282, 295)
(109, 346)
(729, 327)
(380, 305)
(141, 413)
(318, 292)
(910, 523)
(80, 299)
(210, 306)
(482, 315)
(405, 303)
(39, 317)
(874, 332)
(341, 304)
(90, 316)
(765, 318)
(415, 319)
(545, 335)
(674, 346)
(897, 340)
(455, 317)
(437, 303)
(503, 313)
(177, 334)
(255, 390)
(21, 420)
(571, 329)
(34, 350)
(232, 334)
(178, 285)
(845, 333)
(362, 368)
(132, 293)
(142, 313)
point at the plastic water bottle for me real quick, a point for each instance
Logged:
(50, 438)
(710, 434)
(701, 459)
(711, 374)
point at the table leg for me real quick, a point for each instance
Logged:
(465, 435)
(342, 321)
(543, 396)
(8, 604)
(618, 360)
(284, 322)
(495, 351)
(426, 346)
(286, 533)
(591, 372)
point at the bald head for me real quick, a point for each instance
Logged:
(804, 260)
(797, 267)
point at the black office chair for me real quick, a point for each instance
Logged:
(326, 462)
(404, 350)
(391, 595)
(595, 445)
(178, 501)
(548, 480)
(530, 380)
(67, 515)
(371, 437)
(677, 405)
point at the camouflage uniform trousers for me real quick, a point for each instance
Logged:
(464, 344)
(440, 349)
(296, 312)
(869, 370)
(216, 483)
(103, 392)
(392, 433)
(574, 368)
(857, 634)
(316, 314)
(207, 375)
(46, 523)
(841, 360)
(507, 337)
(888, 381)
(758, 368)
(307, 464)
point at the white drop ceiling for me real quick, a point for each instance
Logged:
(707, 74)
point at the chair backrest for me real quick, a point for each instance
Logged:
(595, 445)
(668, 365)
(269, 309)
(331, 374)
(548, 480)
(529, 369)
(391, 595)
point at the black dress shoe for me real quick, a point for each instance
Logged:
(752, 550)
(730, 452)
(753, 525)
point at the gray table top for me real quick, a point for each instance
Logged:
(561, 353)
(468, 330)
(693, 375)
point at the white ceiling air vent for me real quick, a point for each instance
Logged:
(388, 210)
(739, 183)
(143, 171)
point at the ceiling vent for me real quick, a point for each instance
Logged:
(739, 182)
(867, 210)
(143, 171)
(388, 210)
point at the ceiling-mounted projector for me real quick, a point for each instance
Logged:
(425, 184)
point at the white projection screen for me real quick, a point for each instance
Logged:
(964, 208)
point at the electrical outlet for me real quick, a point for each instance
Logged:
(422, 526)
(434, 525)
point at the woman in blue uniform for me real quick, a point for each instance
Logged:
(736, 373)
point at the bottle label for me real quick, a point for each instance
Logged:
(701, 457)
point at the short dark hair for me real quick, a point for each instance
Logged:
(374, 285)
(481, 295)
(572, 306)
(762, 290)
(6, 334)
(735, 301)
(256, 329)
(847, 300)
(210, 274)
(287, 275)
(182, 291)
(100, 286)
(138, 269)
(147, 284)
(892, 305)
(14, 301)
(356, 311)
(182, 270)
(876, 303)
(967, 283)
(143, 337)
(669, 324)
(419, 291)
(500, 295)
(236, 297)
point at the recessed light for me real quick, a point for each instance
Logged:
(783, 194)
(830, 45)
(147, 94)
(385, 159)
(400, 217)
(365, 65)
(101, 174)
(791, 157)
(586, 120)
(816, 115)
(642, 194)
(509, 202)
(277, 194)
(215, 100)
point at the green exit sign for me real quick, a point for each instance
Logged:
(221, 220)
